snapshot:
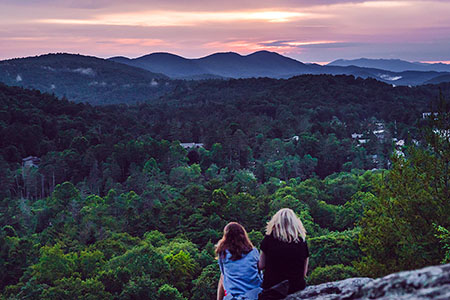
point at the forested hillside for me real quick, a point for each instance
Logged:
(99, 81)
(112, 206)
(84, 78)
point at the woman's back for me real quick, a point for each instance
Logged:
(238, 261)
(284, 261)
(242, 275)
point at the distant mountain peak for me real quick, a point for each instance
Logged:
(220, 65)
(162, 54)
(266, 53)
(223, 54)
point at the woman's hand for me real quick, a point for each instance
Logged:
(306, 267)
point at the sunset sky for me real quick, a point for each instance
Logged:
(310, 31)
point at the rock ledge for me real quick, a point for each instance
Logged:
(427, 283)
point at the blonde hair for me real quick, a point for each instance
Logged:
(286, 226)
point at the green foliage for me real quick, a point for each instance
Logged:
(182, 176)
(118, 209)
(400, 215)
(115, 245)
(219, 199)
(63, 195)
(53, 265)
(243, 208)
(444, 238)
(156, 238)
(141, 260)
(350, 213)
(397, 230)
(142, 288)
(167, 292)
(89, 263)
(331, 273)
(301, 209)
(182, 269)
(205, 286)
(75, 288)
(177, 244)
(334, 248)
(15, 255)
(256, 237)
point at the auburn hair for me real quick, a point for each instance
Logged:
(235, 240)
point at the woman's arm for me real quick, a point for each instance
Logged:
(262, 261)
(220, 289)
(306, 267)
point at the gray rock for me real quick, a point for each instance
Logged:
(427, 283)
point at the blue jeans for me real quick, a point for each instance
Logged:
(250, 295)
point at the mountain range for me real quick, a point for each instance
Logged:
(220, 65)
(124, 80)
(394, 65)
(274, 65)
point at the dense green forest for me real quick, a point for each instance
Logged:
(114, 206)
(84, 78)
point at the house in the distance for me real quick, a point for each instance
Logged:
(359, 138)
(295, 138)
(191, 145)
(428, 114)
(31, 161)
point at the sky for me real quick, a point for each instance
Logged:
(310, 31)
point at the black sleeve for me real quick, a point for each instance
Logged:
(264, 244)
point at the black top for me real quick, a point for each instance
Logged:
(284, 261)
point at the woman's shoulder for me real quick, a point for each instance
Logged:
(268, 237)
(266, 243)
(224, 256)
(254, 251)
(253, 254)
(271, 240)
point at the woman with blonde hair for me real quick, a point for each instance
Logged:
(238, 262)
(284, 256)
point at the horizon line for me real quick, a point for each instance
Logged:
(447, 62)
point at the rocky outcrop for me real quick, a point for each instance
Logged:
(428, 283)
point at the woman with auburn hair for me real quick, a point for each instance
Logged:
(238, 262)
(284, 256)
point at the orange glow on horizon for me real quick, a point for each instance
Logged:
(248, 47)
(322, 63)
(436, 62)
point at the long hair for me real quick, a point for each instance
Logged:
(235, 240)
(286, 226)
